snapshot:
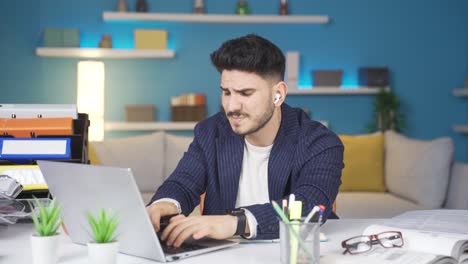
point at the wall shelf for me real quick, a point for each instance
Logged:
(104, 53)
(461, 129)
(213, 18)
(334, 91)
(460, 92)
(149, 126)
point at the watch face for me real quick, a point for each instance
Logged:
(237, 212)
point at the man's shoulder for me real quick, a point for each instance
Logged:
(314, 133)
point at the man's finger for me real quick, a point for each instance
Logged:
(177, 230)
(201, 233)
(185, 234)
(173, 222)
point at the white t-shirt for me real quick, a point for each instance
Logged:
(253, 182)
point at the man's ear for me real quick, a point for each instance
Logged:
(281, 90)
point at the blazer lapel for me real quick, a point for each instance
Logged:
(281, 159)
(230, 151)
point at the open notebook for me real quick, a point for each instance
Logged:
(430, 236)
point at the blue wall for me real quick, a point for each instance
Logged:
(424, 43)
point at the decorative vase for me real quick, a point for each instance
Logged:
(106, 41)
(283, 8)
(199, 7)
(122, 6)
(141, 6)
(45, 249)
(242, 8)
(103, 253)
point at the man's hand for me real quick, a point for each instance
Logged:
(181, 228)
(158, 210)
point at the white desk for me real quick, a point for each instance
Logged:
(15, 247)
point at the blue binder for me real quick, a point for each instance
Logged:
(35, 148)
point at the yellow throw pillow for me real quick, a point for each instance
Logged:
(92, 155)
(364, 163)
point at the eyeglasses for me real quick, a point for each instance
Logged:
(361, 244)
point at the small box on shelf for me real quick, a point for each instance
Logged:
(373, 76)
(188, 107)
(61, 37)
(140, 113)
(150, 39)
(327, 78)
(187, 113)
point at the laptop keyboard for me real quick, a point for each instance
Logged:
(184, 248)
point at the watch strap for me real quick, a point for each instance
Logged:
(241, 221)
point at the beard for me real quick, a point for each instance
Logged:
(260, 122)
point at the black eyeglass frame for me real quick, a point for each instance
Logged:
(373, 240)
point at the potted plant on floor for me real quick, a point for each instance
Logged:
(44, 242)
(104, 247)
(387, 115)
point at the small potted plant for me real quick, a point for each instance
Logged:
(44, 242)
(104, 247)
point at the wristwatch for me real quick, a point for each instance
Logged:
(241, 221)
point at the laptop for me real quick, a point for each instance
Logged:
(81, 188)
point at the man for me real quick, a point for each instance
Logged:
(259, 149)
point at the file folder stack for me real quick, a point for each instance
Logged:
(40, 133)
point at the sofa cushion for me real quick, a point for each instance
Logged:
(372, 205)
(176, 146)
(143, 154)
(364, 163)
(457, 197)
(418, 170)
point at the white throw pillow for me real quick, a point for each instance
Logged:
(418, 170)
(143, 154)
(176, 146)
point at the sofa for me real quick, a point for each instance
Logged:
(411, 174)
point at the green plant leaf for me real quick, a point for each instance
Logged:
(54, 215)
(103, 226)
(35, 220)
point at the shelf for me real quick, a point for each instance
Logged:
(460, 92)
(149, 126)
(334, 91)
(461, 128)
(214, 18)
(104, 53)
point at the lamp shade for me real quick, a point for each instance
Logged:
(90, 98)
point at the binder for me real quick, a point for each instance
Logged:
(35, 148)
(38, 110)
(29, 176)
(33, 127)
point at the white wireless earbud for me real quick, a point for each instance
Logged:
(277, 97)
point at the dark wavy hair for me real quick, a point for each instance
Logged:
(250, 53)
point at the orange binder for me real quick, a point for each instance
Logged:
(34, 127)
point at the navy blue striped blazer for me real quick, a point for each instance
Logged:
(306, 159)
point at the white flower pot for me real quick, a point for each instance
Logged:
(45, 249)
(103, 253)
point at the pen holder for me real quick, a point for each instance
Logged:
(299, 243)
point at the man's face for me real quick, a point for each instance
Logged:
(247, 100)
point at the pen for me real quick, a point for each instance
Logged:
(280, 212)
(312, 213)
(292, 198)
(285, 206)
(322, 209)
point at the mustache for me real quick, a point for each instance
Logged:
(236, 114)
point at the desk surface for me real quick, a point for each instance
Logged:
(15, 247)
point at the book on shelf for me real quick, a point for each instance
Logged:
(429, 236)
